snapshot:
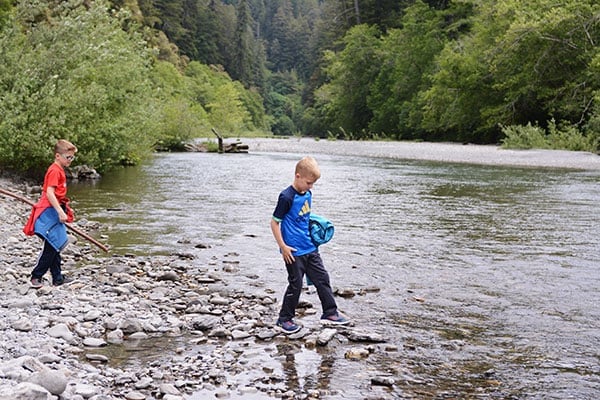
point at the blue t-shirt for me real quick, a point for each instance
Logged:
(293, 212)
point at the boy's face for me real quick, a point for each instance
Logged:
(65, 159)
(303, 183)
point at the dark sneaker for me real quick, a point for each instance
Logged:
(36, 283)
(335, 319)
(288, 327)
(65, 279)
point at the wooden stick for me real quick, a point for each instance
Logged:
(71, 227)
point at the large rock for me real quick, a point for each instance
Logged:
(53, 381)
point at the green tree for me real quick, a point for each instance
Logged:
(408, 56)
(242, 64)
(350, 72)
(541, 63)
(230, 107)
(523, 62)
(180, 117)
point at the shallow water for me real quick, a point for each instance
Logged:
(488, 274)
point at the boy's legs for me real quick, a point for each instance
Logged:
(55, 270)
(315, 270)
(49, 259)
(292, 293)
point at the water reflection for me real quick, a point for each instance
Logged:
(488, 275)
(305, 370)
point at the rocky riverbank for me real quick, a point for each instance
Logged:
(61, 342)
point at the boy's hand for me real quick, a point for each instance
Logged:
(286, 251)
(62, 216)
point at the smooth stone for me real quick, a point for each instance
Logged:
(86, 391)
(61, 331)
(144, 383)
(53, 381)
(168, 388)
(133, 395)
(93, 342)
(23, 325)
(115, 337)
(96, 357)
(92, 315)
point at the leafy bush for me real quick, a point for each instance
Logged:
(524, 137)
(72, 72)
(557, 137)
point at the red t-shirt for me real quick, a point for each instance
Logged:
(55, 176)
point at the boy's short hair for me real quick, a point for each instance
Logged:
(308, 166)
(63, 146)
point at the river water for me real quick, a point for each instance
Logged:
(487, 275)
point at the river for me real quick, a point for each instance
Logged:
(487, 274)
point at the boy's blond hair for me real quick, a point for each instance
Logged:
(63, 146)
(308, 166)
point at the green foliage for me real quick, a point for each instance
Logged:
(344, 97)
(522, 62)
(74, 74)
(409, 54)
(524, 137)
(283, 102)
(557, 137)
(230, 107)
(5, 8)
(179, 117)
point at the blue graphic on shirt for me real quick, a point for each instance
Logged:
(293, 213)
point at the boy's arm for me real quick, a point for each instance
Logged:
(286, 251)
(54, 202)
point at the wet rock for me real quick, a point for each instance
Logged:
(345, 292)
(383, 381)
(130, 325)
(325, 336)
(365, 336)
(356, 353)
(94, 342)
(96, 357)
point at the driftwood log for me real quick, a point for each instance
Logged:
(236, 147)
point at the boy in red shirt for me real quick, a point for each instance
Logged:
(53, 208)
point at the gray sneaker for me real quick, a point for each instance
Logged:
(64, 280)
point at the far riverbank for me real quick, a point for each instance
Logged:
(439, 152)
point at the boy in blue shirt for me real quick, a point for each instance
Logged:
(290, 227)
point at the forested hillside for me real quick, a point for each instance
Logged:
(163, 71)
(434, 70)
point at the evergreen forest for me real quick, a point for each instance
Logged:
(123, 78)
